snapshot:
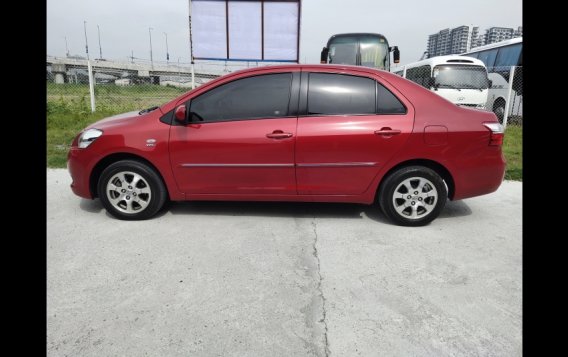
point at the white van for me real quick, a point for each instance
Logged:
(461, 80)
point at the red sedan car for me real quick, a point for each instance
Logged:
(318, 133)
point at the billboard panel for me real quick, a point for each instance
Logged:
(245, 30)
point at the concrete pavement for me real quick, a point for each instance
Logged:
(283, 279)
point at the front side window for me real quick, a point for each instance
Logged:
(264, 96)
(330, 94)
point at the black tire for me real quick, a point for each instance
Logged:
(138, 202)
(424, 205)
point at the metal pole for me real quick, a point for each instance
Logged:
(86, 42)
(132, 56)
(151, 58)
(91, 85)
(508, 100)
(167, 50)
(191, 49)
(100, 48)
(66, 48)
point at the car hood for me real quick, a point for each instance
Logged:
(119, 119)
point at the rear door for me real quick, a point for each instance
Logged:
(349, 126)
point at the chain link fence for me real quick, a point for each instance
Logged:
(506, 94)
(499, 90)
(127, 85)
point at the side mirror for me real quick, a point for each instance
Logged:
(323, 56)
(432, 83)
(395, 55)
(490, 83)
(180, 114)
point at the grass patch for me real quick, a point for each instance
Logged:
(513, 150)
(69, 110)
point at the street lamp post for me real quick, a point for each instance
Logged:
(191, 48)
(66, 48)
(86, 42)
(100, 48)
(151, 58)
(179, 71)
(167, 50)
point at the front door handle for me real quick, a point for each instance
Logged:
(279, 134)
(387, 131)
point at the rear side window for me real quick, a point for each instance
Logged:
(330, 94)
(387, 103)
(265, 96)
(420, 75)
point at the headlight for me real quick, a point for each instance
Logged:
(88, 137)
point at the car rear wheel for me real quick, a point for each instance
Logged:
(413, 196)
(131, 190)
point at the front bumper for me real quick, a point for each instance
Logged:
(78, 164)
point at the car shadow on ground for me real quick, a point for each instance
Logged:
(281, 209)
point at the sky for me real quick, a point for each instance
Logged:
(124, 24)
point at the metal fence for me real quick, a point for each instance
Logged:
(500, 90)
(506, 94)
(114, 86)
(122, 86)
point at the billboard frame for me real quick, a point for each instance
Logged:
(262, 59)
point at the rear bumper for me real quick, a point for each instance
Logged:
(480, 176)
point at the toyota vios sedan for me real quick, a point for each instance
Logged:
(317, 133)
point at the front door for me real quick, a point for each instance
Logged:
(240, 139)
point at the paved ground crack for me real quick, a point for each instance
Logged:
(323, 320)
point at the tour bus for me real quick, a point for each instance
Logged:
(360, 49)
(461, 80)
(499, 58)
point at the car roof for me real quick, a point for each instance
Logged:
(307, 67)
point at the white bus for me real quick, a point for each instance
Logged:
(499, 58)
(461, 80)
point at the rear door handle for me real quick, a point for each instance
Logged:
(279, 134)
(387, 132)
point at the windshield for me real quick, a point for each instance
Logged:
(374, 51)
(343, 50)
(460, 76)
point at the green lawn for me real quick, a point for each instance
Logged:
(513, 150)
(68, 112)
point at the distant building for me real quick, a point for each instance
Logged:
(498, 34)
(438, 43)
(452, 41)
(463, 38)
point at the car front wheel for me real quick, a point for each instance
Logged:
(131, 190)
(413, 196)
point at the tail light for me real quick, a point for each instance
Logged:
(497, 133)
